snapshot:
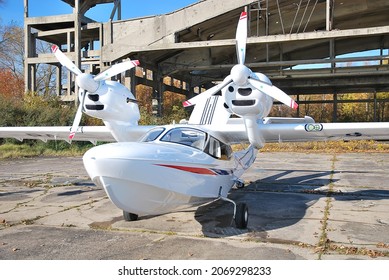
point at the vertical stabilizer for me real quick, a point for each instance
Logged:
(210, 111)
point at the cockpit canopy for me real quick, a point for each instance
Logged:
(191, 137)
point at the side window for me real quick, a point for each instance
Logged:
(226, 151)
(218, 149)
(214, 148)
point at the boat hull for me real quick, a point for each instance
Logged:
(150, 179)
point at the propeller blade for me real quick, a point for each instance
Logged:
(273, 92)
(116, 69)
(77, 118)
(208, 93)
(64, 60)
(241, 38)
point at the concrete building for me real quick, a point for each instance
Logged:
(298, 44)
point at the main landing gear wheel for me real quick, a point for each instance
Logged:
(129, 216)
(241, 216)
(241, 213)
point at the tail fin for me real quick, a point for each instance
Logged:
(210, 111)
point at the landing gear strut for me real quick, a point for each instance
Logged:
(129, 216)
(241, 213)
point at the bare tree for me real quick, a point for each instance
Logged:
(12, 57)
(46, 73)
(12, 48)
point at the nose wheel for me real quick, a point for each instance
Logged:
(129, 216)
(239, 184)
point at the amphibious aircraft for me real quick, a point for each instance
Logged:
(151, 170)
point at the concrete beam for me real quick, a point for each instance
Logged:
(159, 32)
(286, 63)
(319, 35)
(342, 84)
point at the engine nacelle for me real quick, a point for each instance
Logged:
(248, 101)
(112, 102)
(115, 105)
(87, 82)
(251, 104)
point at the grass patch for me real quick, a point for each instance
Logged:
(329, 147)
(61, 148)
(13, 150)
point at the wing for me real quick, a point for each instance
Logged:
(299, 131)
(324, 131)
(84, 133)
(45, 133)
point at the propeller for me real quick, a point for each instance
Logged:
(88, 82)
(208, 93)
(242, 76)
(241, 38)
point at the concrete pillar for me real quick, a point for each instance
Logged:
(335, 108)
(375, 106)
(58, 71)
(332, 55)
(77, 40)
(329, 14)
(158, 89)
(27, 32)
(30, 72)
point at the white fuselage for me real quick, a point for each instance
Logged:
(160, 176)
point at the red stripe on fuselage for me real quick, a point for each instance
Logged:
(197, 170)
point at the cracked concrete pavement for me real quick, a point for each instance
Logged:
(302, 206)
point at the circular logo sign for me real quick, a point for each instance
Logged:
(313, 127)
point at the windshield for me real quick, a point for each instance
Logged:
(152, 134)
(193, 138)
(186, 136)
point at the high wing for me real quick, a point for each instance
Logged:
(303, 130)
(324, 131)
(84, 133)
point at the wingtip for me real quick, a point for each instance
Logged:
(136, 62)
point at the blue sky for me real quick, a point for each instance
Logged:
(12, 10)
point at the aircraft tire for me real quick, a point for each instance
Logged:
(240, 185)
(241, 216)
(129, 216)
